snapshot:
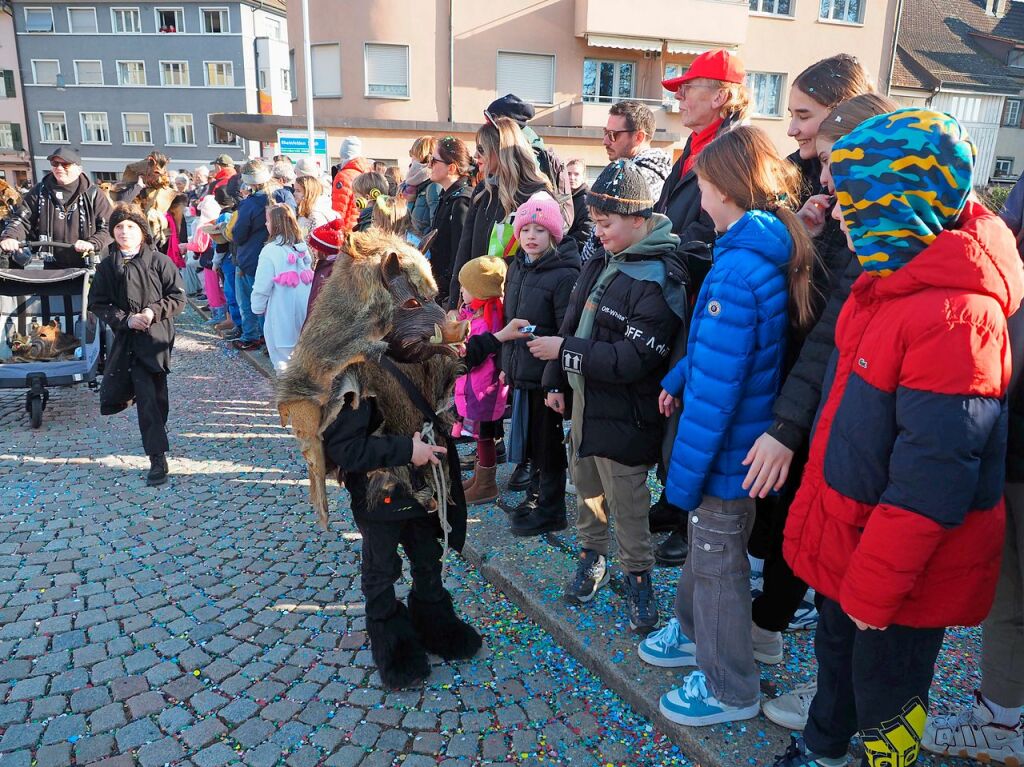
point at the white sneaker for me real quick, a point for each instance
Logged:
(693, 705)
(791, 710)
(806, 616)
(767, 645)
(972, 734)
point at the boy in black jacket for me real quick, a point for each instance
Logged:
(614, 346)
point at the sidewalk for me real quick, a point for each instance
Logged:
(532, 573)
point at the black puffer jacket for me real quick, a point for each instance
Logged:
(484, 212)
(538, 292)
(582, 223)
(622, 362)
(449, 219)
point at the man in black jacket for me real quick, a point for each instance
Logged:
(65, 207)
(582, 225)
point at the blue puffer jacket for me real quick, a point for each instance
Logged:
(732, 371)
(250, 232)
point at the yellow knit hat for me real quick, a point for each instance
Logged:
(484, 277)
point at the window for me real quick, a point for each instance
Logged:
(174, 73)
(607, 81)
(773, 7)
(95, 129)
(286, 80)
(325, 61)
(10, 137)
(272, 28)
(766, 88)
(179, 129)
(671, 71)
(38, 20)
(1004, 167)
(215, 21)
(89, 72)
(221, 137)
(45, 71)
(849, 11)
(220, 74)
(1015, 59)
(136, 128)
(387, 70)
(170, 20)
(531, 76)
(110, 176)
(7, 87)
(53, 128)
(131, 73)
(262, 80)
(1011, 113)
(82, 21)
(126, 20)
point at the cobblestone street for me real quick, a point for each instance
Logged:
(210, 622)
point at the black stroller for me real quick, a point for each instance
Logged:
(32, 298)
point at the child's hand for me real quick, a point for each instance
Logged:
(769, 462)
(861, 625)
(545, 347)
(424, 453)
(813, 213)
(511, 331)
(667, 404)
(555, 401)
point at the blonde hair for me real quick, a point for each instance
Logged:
(281, 224)
(364, 184)
(391, 215)
(516, 166)
(737, 104)
(849, 114)
(311, 189)
(744, 165)
(423, 148)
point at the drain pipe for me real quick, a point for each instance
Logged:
(451, 62)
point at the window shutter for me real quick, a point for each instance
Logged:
(528, 75)
(16, 136)
(387, 70)
(326, 65)
(9, 83)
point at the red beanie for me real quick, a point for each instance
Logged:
(328, 238)
(541, 209)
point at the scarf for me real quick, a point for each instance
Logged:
(698, 141)
(901, 179)
(494, 311)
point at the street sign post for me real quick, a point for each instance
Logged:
(295, 144)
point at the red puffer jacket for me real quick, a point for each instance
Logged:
(343, 199)
(900, 515)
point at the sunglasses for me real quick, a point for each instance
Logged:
(54, 164)
(613, 135)
(434, 160)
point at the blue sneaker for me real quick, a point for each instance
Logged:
(643, 608)
(695, 706)
(668, 647)
(797, 755)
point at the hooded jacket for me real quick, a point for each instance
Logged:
(449, 219)
(900, 514)
(625, 355)
(733, 366)
(343, 199)
(538, 292)
(249, 233)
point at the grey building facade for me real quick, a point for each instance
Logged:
(119, 80)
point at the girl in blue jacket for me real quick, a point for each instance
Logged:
(759, 282)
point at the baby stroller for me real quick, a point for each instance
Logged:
(49, 336)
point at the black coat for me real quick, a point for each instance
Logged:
(485, 211)
(582, 223)
(622, 371)
(120, 289)
(538, 292)
(449, 218)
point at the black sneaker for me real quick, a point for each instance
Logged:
(643, 610)
(797, 755)
(157, 470)
(591, 574)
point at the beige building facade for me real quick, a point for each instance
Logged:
(393, 70)
(14, 161)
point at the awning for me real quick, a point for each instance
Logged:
(628, 43)
(691, 48)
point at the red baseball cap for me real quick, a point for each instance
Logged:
(712, 65)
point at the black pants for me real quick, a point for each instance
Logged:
(545, 440)
(152, 405)
(782, 591)
(872, 682)
(382, 565)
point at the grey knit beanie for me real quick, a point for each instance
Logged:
(622, 189)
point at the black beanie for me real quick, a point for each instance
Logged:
(622, 189)
(511, 106)
(131, 213)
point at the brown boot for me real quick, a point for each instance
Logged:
(484, 490)
(226, 324)
(467, 484)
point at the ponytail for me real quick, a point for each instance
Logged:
(799, 279)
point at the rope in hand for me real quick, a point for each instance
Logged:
(440, 477)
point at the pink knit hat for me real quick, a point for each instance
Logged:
(541, 209)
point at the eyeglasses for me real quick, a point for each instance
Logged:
(57, 164)
(683, 89)
(434, 160)
(613, 135)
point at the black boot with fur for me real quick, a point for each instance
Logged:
(441, 631)
(400, 658)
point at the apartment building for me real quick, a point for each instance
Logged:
(396, 69)
(14, 164)
(119, 80)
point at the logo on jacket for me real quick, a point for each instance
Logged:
(572, 362)
(863, 363)
(898, 741)
(714, 308)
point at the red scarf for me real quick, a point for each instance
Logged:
(700, 140)
(494, 311)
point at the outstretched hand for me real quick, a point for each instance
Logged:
(424, 453)
(511, 331)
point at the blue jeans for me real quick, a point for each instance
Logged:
(252, 324)
(228, 267)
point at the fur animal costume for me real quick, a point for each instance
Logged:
(376, 315)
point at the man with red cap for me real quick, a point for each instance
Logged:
(712, 99)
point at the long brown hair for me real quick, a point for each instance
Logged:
(452, 150)
(834, 80)
(281, 224)
(390, 214)
(517, 169)
(745, 166)
(848, 115)
(311, 190)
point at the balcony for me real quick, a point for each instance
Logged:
(688, 26)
